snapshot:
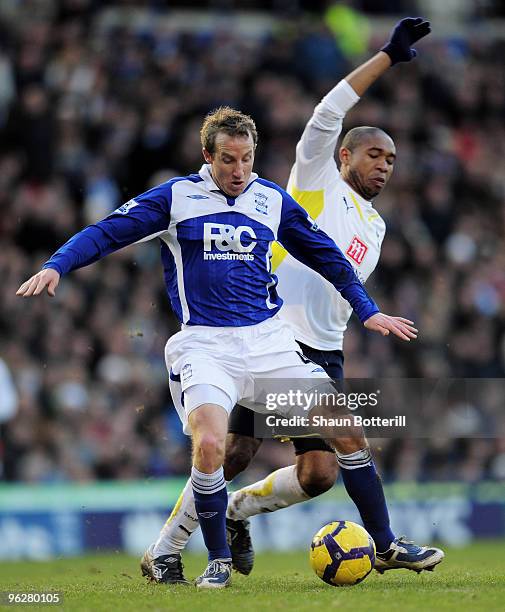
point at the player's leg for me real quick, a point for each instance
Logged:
(314, 472)
(359, 475)
(162, 560)
(209, 425)
(183, 520)
(204, 384)
(316, 467)
(204, 496)
(241, 446)
(364, 486)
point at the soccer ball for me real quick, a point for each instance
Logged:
(342, 553)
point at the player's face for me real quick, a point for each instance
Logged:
(231, 163)
(369, 167)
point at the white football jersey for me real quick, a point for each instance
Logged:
(315, 311)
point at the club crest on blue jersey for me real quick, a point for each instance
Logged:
(260, 200)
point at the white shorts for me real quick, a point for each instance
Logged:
(239, 361)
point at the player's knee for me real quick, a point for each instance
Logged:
(240, 451)
(317, 476)
(317, 484)
(209, 451)
(352, 444)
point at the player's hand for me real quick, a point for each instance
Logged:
(406, 32)
(47, 278)
(384, 324)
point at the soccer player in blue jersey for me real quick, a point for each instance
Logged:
(216, 230)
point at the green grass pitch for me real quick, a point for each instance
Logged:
(469, 578)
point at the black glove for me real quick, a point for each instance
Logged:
(406, 33)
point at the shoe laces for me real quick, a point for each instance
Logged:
(408, 543)
(216, 566)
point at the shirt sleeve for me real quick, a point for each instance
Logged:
(315, 152)
(144, 217)
(300, 236)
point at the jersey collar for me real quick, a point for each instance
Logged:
(210, 183)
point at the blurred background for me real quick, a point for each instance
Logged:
(100, 100)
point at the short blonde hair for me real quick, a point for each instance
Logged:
(227, 120)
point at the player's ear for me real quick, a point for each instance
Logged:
(207, 156)
(344, 155)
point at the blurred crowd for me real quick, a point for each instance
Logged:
(94, 111)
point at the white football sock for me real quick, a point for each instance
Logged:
(180, 525)
(278, 490)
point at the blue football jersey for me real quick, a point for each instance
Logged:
(216, 250)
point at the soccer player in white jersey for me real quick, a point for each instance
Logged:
(341, 202)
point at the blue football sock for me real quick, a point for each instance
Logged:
(364, 487)
(211, 501)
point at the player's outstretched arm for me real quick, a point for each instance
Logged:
(398, 49)
(385, 324)
(315, 162)
(45, 279)
(142, 218)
